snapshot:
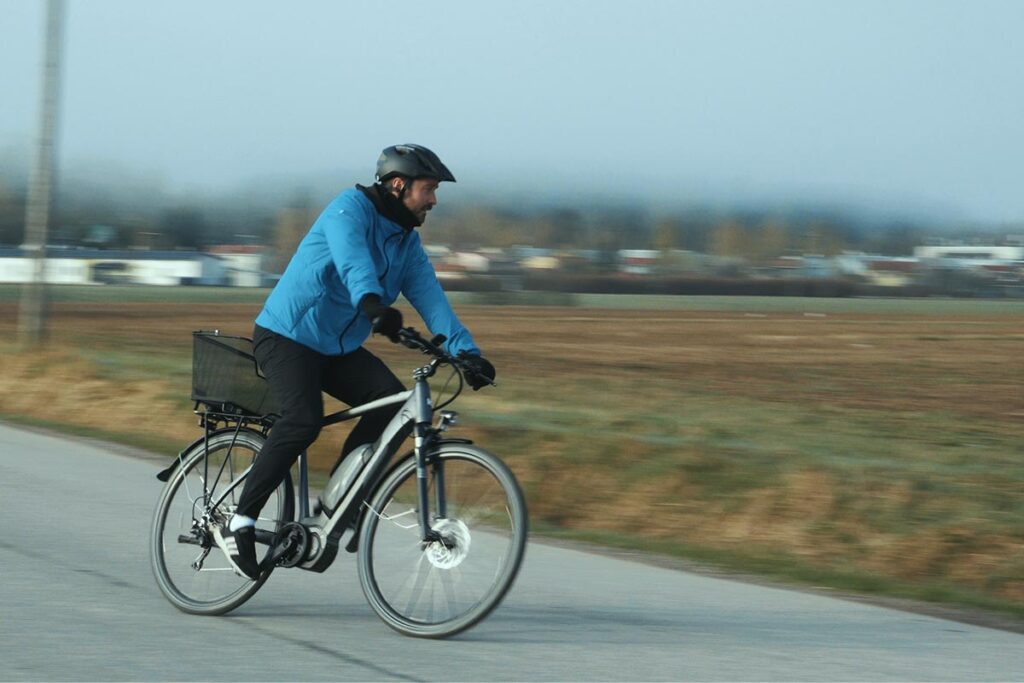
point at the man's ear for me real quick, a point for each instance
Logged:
(396, 184)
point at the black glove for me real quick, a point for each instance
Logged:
(385, 320)
(479, 371)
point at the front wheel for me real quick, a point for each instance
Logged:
(440, 588)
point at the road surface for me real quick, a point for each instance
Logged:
(78, 602)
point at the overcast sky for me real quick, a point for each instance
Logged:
(889, 103)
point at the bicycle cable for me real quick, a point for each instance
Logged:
(455, 373)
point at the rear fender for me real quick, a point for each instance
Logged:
(166, 473)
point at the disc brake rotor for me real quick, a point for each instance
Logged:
(452, 550)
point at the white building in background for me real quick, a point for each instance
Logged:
(971, 253)
(244, 263)
(101, 266)
(638, 261)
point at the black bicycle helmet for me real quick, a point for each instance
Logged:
(411, 161)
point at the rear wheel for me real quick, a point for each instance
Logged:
(191, 571)
(440, 588)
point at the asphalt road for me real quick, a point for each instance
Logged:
(78, 602)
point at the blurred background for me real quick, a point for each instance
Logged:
(711, 140)
(771, 255)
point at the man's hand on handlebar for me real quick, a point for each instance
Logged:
(479, 371)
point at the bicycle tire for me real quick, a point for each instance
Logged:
(213, 588)
(437, 583)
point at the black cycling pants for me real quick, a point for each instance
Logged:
(297, 374)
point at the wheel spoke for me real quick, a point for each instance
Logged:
(449, 592)
(419, 578)
(448, 585)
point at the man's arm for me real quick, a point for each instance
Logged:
(424, 292)
(345, 232)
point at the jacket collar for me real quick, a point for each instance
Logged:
(390, 207)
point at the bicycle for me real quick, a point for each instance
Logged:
(440, 533)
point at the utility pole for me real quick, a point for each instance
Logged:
(33, 313)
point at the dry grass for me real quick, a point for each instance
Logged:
(880, 443)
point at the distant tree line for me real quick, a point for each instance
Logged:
(750, 235)
(102, 221)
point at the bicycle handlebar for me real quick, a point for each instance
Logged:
(412, 339)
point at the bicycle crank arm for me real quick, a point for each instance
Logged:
(262, 536)
(275, 555)
(265, 537)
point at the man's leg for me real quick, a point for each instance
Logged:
(357, 378)
(293, 372)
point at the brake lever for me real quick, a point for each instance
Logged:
(412, 339)
(408, 337)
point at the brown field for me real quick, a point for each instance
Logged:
(866, 444)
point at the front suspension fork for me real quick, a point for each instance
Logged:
(425, 438)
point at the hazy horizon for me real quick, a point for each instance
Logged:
(895, 107)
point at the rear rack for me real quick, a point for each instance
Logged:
(212, 418)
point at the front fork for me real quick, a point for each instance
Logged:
(425, 437)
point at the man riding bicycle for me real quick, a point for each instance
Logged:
(358, 256)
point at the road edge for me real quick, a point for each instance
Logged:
(967, 615)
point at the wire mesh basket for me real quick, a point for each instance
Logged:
(225, 376)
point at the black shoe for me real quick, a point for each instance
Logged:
(240, 549)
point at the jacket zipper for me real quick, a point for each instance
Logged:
(387, 257)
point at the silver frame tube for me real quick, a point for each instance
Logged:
(415, 409)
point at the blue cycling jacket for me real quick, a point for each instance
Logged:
(351, 251)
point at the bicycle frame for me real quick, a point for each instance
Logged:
(409, 552)
(415, 416)
(416, 412)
